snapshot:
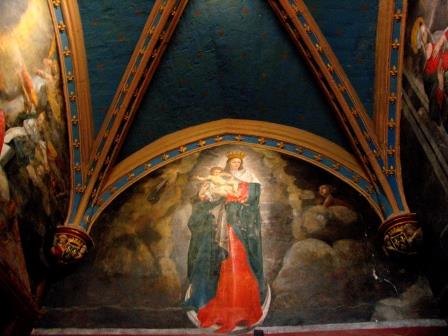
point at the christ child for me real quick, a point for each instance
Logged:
(221, 182)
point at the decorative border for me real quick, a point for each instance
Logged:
(74, 76)
(308, 38)
(382, 71)
(148, 52)
(287, 140)
(393, 168)
(73, 27)
(388, 85)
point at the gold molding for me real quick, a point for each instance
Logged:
(328, 71)
(51, 8)
(73, 27)
(263, 130)
(382, 61)
(81, 77)
(66, 20)
(402, 17)
(388, 15)
(250, 127)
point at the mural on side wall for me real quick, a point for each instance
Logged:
(426, 66)
(33, 160)
(233, 238)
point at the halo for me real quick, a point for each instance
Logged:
(415, 32)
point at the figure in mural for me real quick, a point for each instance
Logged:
(33, 130)
(434, 65)
(34, 156)
(327, 199)
(221, 183)
(225, 267)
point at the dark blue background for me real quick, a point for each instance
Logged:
(228, 59)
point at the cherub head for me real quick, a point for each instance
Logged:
(325, 190)
(215, 171)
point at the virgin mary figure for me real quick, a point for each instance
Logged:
(225, 266)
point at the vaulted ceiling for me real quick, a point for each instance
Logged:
(227, 59)
(147, 82)
(156, 68)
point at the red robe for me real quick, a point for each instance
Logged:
(431, 66)
(237, 299)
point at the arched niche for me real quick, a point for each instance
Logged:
(286, 140)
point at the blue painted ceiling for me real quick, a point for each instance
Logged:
(350, 28)
(227, 59)
(111, 30)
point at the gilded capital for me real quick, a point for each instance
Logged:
(70, 245)
(401, 234)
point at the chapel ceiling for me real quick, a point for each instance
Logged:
(197, 62)
(147, 84)
(229, 59)
(174, 77)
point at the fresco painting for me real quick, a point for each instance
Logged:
(33, 162)
(426, 66)
(225, 264)
(300, 241)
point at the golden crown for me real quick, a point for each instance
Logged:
(236, 155)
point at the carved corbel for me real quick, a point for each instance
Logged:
(401, 235)
(70, 245)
